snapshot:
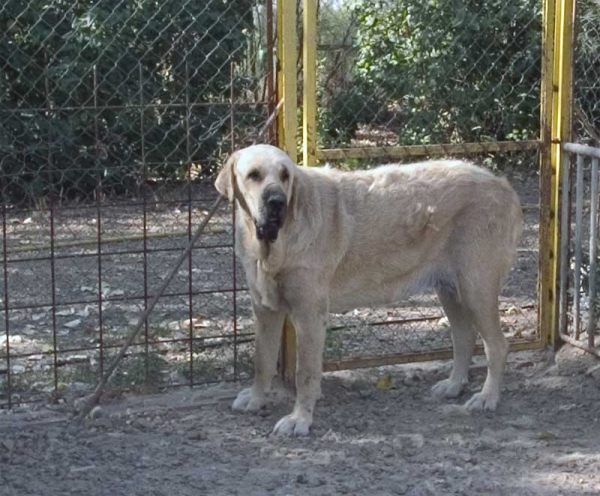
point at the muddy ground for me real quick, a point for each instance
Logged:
(543, 440)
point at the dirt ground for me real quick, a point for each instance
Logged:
(543, 440)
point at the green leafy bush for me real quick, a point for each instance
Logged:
(67, 69)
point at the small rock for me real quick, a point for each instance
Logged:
(301, 479)
(72, 324)
(17, 369)
(524, 365)
(453, 409)
(97, 412)
(546, 436)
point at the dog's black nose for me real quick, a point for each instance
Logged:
(276, 202)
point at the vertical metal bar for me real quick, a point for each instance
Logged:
(233, 260)
(52, 238)
(556, 93)
(546, 277)
(578, 246)
(290, 78)
(144, 210)
(286, 30)
(53, 296)
(98, 222)
(6, 306)
(591, 330)
(188, 159)
(279, 68)
(270, 72)
(309, 64)
(564, 242)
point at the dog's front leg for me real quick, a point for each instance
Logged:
(268, 328)
(309, 319)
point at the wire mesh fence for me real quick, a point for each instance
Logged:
(418, 73)
(405, 81)
(417, 327)
(113, 118)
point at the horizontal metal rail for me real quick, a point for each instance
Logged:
(397, 359)
(130, 106)
(421, 150)
(109, 240)
(585, 150)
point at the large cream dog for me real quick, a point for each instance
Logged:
(317, 240)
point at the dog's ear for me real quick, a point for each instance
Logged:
(224, 181)
(291, 180)
(305, 214)
(293, 195)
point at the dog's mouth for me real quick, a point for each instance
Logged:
(268, 228)
(267, 232)
(273, 213)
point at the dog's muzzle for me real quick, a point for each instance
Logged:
(273, 212)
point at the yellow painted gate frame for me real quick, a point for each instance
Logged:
(555, 119)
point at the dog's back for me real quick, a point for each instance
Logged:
(421, 225)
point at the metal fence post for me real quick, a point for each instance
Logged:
(288, 89)
(309, 79)
(556, 126)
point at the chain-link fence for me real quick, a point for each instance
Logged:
(418, 73)
(405, 79)
(113, 117)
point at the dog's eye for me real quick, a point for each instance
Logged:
(254, 175)
(285, 175)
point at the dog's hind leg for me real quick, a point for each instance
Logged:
(462, 330)
(482, 301)
(269, 325)
(487, 321)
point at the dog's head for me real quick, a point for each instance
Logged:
(260, 178)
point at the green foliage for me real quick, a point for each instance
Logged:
(73, 56)
(449, 70)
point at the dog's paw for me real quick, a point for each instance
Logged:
(293, 425)
(247, 402)
(448, 389)
(483, 402)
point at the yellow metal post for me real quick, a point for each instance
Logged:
(279, 59)
(556, 128)
(287, 14)
(287, 87)
(309, 100)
